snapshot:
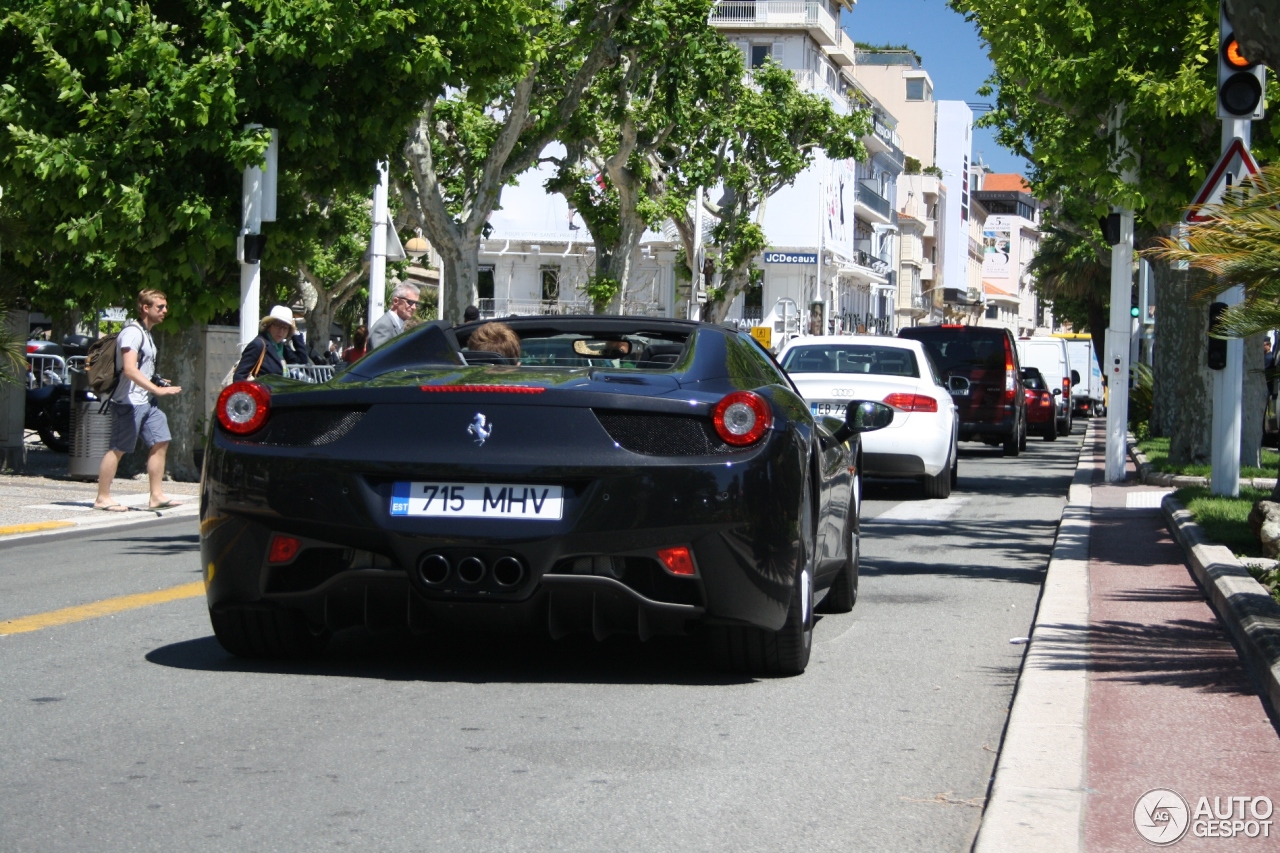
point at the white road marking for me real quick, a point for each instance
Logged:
(1145, 500)
(917, 512)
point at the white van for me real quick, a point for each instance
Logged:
(1049, 356)
(1087, 395)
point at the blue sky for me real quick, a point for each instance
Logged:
(952, 53)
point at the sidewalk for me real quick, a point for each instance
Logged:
(1131, 683)
(41, 499)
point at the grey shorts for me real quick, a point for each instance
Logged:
(128, 422)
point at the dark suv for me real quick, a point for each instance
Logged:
(994, 408)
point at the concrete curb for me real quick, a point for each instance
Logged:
(1177, 481)
(1038, 796)
(1244, 605)
(81, 526)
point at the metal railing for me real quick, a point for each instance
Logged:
(872, 199)
(775, 13)
(491, 308)
(313, 374)
(871, 262)
(45, 370)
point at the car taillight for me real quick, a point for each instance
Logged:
(32, 347)
(283, 549)
(1066, 387)
(243, 407)
(1010, 384)
(678, 560)
(742, 418)
(912, 402)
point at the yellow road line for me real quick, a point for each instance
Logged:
(106, 607)
(34, 526)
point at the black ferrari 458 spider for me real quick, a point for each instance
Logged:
(623, 475)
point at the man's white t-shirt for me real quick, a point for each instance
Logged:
(135, 339)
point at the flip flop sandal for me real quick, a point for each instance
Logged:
(111, 508)
(166, 505)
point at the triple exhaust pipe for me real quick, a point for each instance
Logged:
(435, 570)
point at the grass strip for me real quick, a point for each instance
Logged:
(1157, 453)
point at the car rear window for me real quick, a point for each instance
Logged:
(851, 358)
(962, 349)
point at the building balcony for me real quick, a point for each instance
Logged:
(930, 229)
(490, 308)
(926, 271)
(975, 249)
(875, 207)
(812, 17)
(842, 52)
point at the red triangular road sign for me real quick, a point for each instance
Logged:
(1235, 164)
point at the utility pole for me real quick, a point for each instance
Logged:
(257, 205)
(1116, 369)
(378, 252)
(698, 286)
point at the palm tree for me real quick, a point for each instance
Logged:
(1239, 243)
(1070, 271)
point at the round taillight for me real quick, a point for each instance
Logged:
(243, 407)
(742, 418)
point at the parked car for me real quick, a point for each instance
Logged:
(1041, 408)
(594, 489)
(1088, 395)
(992, 407)
(1049, 356)
(921, 441)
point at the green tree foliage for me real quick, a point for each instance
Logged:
(673, 80)
(774, 131)
(1072, 270)
(465, 147)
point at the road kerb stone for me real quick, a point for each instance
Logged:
(1037, 798)
(75, 526)
(1244, 605)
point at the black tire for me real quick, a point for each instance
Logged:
(955, 467)
(1013, 442)
(55, 440)
(843, 594)
(938, 487)
(1051, 431)
(757, 651)
(1022, 436)
(261, 632)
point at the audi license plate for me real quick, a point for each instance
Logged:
(478, 500)
(828, 410)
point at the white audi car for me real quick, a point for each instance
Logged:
(921, 442)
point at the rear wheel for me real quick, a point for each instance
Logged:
(955, 466)
(1013, 442)
(758, 651)
(55, 439)
(261, 632)
(1022, 437)
(1051, 431)
(938, 487)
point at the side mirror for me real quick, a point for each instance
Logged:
(1057, 392)
(957, 385)
(866, 416)
(1075, 377)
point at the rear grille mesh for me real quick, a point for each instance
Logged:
(306, 427)
(663, 435)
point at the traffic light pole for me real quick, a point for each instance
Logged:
(1228, 383)
(1117, 353)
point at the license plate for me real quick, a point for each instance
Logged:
(828, 410)
(478, 500)
(964, 393)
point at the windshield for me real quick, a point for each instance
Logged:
(965, 351)
(851, 358)
(612, 350)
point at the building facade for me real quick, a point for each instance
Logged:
(1011, 237)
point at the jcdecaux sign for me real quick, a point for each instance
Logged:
(789, 258)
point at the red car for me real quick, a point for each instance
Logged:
(1040, 408)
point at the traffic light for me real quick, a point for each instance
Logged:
(1241, 83)
(1135, 311)
(1217, 346)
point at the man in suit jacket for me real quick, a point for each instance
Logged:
(404, 301)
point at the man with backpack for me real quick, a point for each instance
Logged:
(134, 411)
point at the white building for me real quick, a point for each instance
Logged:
(1011, 237)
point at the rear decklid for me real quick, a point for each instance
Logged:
(981, 355)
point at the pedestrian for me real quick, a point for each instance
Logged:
(266, 352)
(470, 314)
(404, 301)
(134, 412)
(357, 349)
(496, 338)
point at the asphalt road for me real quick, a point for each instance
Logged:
(137, 732)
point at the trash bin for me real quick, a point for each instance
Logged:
(90, 431)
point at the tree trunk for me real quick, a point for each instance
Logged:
(459, 280)
(318, 308)
(178, 360)
(1253, 403)
(1184, 384)
(65, 325)
(617, 261)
